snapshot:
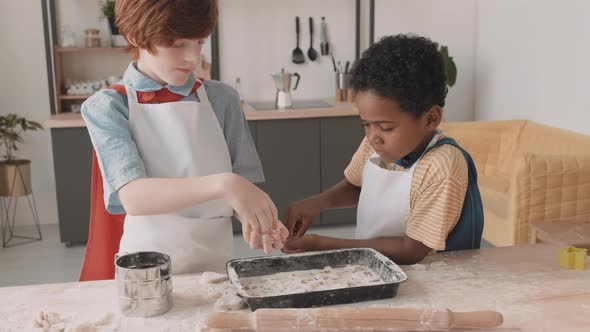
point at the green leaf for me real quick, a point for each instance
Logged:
(449, 66)
(107, 8)
(11, 125)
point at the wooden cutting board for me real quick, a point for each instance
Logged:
(351, 319)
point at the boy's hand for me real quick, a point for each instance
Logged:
(253, 206)
(311, 242)
(300, 215)
(276, 240)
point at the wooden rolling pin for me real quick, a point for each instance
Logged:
(351, 319)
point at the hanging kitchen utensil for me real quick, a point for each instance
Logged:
(311, 53)
(324, 50)
(327, 41)
(298, 56)
(334, 64)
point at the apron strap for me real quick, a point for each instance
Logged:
(201, 93)
(376, 159)
(131, 96)
(430, 145)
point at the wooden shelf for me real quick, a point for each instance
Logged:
(59, 54)
(65, 120)
(88, 49)
(74, 97)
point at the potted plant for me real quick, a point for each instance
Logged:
(449, 64)
(15, 174)
(107, 11)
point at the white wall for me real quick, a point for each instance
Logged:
(25, 92)
(533, 62)
(450, 23)
(258, 37)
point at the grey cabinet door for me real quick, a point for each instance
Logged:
(340, 138)
(236, 225)
(253, 133)
(290, 155)
(72, 155)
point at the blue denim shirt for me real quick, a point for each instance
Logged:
(106, 114)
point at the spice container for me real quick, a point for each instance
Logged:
(91, 39)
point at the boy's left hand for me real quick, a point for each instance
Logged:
(311, 242)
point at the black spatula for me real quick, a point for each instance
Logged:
(311, 53)
(297, 52)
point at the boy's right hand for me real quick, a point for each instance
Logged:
(267, 242)
(300, 215)
(253, 205)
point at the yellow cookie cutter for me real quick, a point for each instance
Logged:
(572, 258)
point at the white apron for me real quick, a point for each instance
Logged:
(384, 203)
(177, 140)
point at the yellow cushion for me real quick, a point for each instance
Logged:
(497, 230)
(495, 201)
(541, 139)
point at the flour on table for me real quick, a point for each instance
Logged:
(213, 284)
(311, 280)
(217, 286)
(438, 265)
(108, 322)
(418, 267)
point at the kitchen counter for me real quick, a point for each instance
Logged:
(524, 283)
(74, 120)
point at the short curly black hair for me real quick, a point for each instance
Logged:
(406, 68)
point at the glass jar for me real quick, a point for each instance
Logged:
(92, 39)
(67, 36)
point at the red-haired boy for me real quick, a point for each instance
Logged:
(174, 152)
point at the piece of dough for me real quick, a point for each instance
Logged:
(214, 284)
(214, 291)
(230, 301)
(38, 320)
(52, 318)
(105, 320)
(59, 327)
(213, 277)
(47, 320)
(84, 327)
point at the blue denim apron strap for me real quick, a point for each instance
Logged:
(468, 231)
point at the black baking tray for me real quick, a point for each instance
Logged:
(389, 272)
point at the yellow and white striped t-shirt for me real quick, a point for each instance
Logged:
(437, 194)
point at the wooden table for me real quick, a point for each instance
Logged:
(524, 283)
(561, 233)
